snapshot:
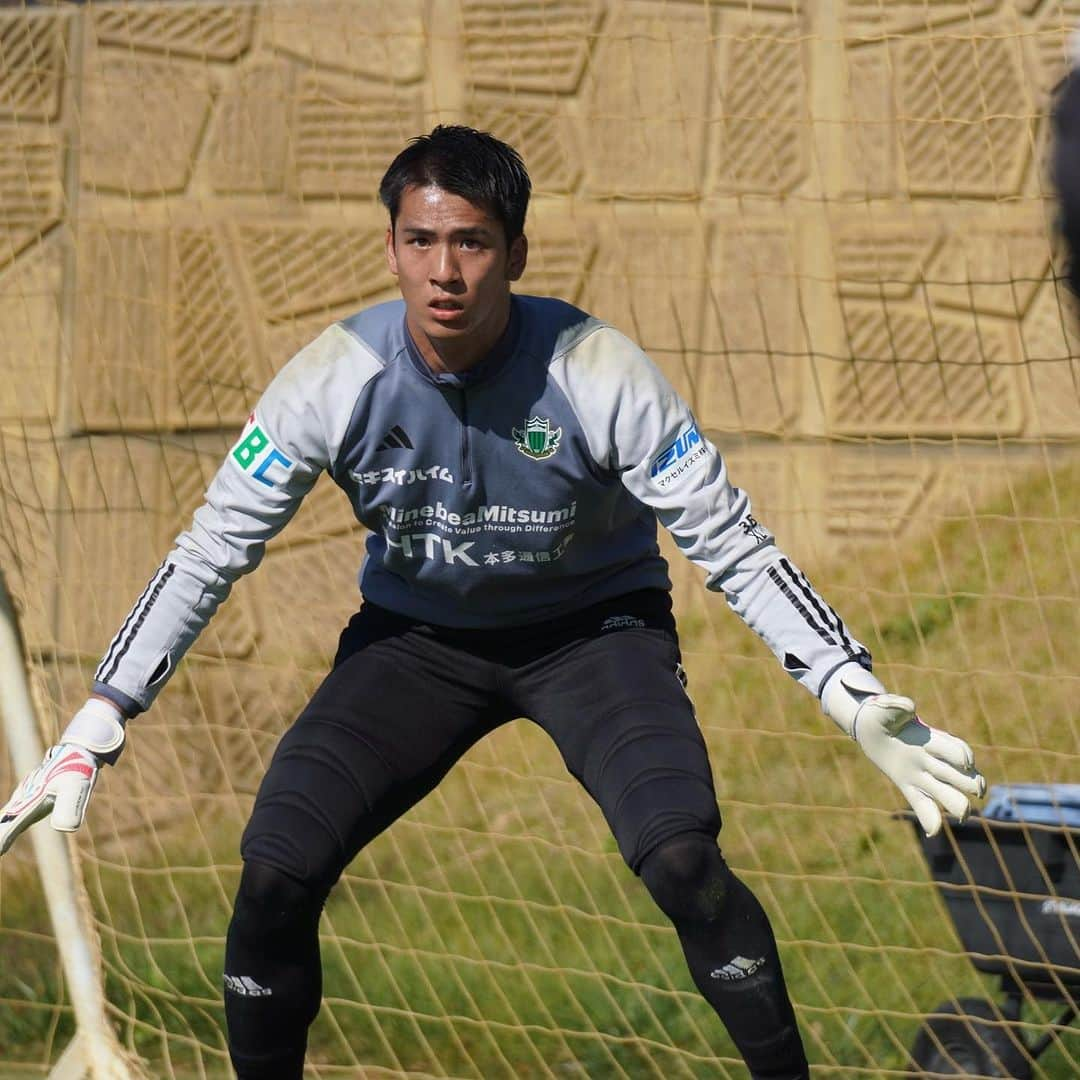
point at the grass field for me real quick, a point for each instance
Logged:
(467, 943)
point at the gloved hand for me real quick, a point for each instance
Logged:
(63, 781)
(933, 769)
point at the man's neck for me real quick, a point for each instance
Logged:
(455, 357)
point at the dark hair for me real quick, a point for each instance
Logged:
(465, 162)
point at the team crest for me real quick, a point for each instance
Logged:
(537, 440)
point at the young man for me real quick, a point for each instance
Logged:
(510, 456)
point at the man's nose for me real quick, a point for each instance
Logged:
(446, 270)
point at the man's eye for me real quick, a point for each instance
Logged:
(471, 245)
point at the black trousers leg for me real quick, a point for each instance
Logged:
(394, 715)
(730, 951)
(617, 709)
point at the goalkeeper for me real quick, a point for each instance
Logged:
(510, 457)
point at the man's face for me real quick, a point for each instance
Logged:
(453, 267)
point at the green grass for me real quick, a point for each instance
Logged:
(466, 942)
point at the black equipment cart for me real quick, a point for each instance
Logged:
(1010, 879)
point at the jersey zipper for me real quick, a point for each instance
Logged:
(466, 446)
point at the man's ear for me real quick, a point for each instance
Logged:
(517, 258)
(391, 254)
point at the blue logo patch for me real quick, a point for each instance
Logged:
(676, 451)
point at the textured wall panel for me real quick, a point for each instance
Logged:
(995, 270)
(748, 377)
(32, 65)
(659, 303)
(870, 137)
(760, 137)
(914, 376)
(561, 252)
(215, 368)
(1051, 342)
(31, 195)
(963, 113)
(528, 44)
(875, 18)
(30, 335)
(888, 260)
(348, 133)
(646, 102)
(120, 362)
(164, 105)
(250, 140)
(203, 31)
(109, 503)
(540, 130)
(306, 269)
(29, 474)
(369, 37)
(875, 496)
(1050, 32)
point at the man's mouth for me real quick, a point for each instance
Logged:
(446, 311)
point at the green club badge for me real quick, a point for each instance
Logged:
(537, 440)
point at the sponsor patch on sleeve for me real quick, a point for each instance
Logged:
(256, 455)
(678, 457)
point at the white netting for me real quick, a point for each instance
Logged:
(830, 223)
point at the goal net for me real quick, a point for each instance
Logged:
(830, 223)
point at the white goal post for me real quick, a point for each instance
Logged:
(95, 1051)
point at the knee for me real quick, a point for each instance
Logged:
(270, 902)
(688, 878)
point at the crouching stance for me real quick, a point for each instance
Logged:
(605, 683)
(510, 458)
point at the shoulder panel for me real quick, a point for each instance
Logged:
(552, 327)
(310, 402)
(380, 328)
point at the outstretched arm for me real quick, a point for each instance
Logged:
(273, 464)
(639, 426)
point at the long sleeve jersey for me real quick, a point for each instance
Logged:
(528, 486)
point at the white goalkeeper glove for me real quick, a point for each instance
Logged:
(933, 769)
(63, 781)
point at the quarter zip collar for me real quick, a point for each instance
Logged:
(486, 369)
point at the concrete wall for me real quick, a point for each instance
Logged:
(829, 222)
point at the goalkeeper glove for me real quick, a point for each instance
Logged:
(933, 769)
(63, 781)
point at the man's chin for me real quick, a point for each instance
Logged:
(446, 328)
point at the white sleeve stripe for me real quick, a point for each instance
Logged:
(798, 605)
(837, 624)
(135, 619)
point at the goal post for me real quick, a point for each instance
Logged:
(95, 1051)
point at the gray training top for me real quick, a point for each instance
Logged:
(526, 487)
